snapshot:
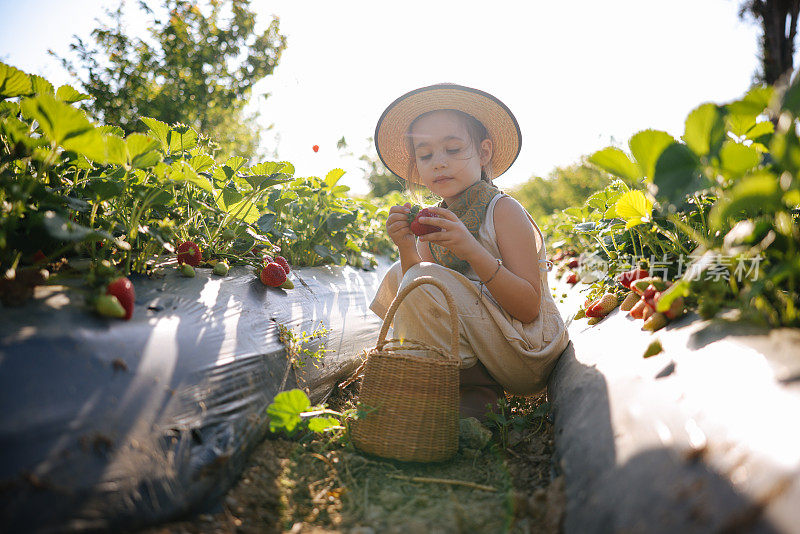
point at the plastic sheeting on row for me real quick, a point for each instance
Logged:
(703, 437)
(109, 424)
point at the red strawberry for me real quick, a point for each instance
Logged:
(417, 228)
(273, 275)
(603, 306)
(189, 252)
(638, 309)
(122, 288)
(629, 276)
(572, 264)
(315, 148)
(39, 257)
(280, 260)
(572, 278)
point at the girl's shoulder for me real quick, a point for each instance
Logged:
(510, 215)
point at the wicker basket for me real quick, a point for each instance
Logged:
(410, 393)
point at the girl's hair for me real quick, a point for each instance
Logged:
(475, 130)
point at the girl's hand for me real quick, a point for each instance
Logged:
(397, 227)
(453, 235)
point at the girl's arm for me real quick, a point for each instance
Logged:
(516, 285)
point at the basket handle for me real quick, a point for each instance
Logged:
(402, 294)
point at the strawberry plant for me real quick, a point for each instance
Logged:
(715, 212)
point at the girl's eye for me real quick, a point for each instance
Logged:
(425, 157)
(453, 150)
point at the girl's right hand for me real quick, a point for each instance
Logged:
(398, 228)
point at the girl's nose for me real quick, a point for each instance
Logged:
(440, 160)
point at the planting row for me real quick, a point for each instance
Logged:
(83, 200)
(713, 216)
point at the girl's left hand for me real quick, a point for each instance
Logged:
(453, 235)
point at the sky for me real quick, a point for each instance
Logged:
(578, 75)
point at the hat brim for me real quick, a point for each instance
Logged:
(394, 123)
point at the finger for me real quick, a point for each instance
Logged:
(400, 209)
(439, 222)
(444, 213)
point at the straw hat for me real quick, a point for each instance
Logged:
(390, 133)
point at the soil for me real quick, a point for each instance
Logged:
(319, 486)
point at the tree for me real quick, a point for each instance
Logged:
(564, 187)
(198, 67)
(778, 19)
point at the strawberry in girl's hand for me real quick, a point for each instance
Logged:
(273, 275)
(122, 288)
(418, 228)
(189, 253)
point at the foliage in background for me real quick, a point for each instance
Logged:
(778, 19)
(381, 181)
(717, 210)
(563, 187)
(197, 67)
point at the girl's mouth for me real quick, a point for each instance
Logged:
(441, 179)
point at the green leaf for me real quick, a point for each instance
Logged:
(750, 196)
(269, 168)
(13, 82)
(634, 207)
(737, 158)
(675, 171)
(181, 138)
(646, 146)
(142, 151)
(42, 86)
(322, 424)
(333, 176)
(160, 131)
(791, 98)
(62, 229)
(57, 120)
(285, 409)
(105, 149)
(182, 171)
(68, 94)
(261, 181)
(106, 189)
(753, 103)
(616, 162)
(202, 162)
(760, 129)
(705, 129)
(111, 130)
(679, 289)
(236, 163)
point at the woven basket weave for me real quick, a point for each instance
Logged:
(410, 393)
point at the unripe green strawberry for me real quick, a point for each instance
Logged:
(221, 268)
(653, 349)
(187, 270)
(594, 320)
(228, 234)
(655, 321)
(288, 284)
(109, 306)
(603, 306)
(630, 300)
(642, 284)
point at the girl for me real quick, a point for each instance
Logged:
(487, 250)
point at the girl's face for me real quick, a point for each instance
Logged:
(447, 160)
